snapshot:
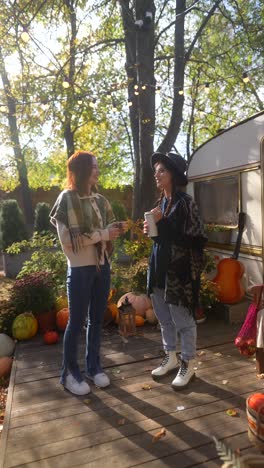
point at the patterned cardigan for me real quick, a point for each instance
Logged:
(181, 240)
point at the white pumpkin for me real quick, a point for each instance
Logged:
(151, 317)
(7, 345)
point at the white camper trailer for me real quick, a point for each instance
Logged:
(226, 177)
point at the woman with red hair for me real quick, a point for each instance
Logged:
(85, 225)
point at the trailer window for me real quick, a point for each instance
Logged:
(218, 200)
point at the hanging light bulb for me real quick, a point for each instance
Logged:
(92, 103)
(144, 87)
(136, 86)
(207, 87)
(136, 93)
(114, 107)
(129, 103)
(66, 84)
(245, 77)
(108, 94)
(25, 36)
(180, 92)
(79, 101)
(158, 89)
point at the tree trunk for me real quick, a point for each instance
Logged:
(179, 66)
(18, 153)
(70, 99)
(139, 45)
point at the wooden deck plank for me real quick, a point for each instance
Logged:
(49, 427)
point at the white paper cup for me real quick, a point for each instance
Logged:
(152, 227)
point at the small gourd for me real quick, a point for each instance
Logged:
(50, 337)
(25, 326)
(5, 366)
(113, 309)
(62, 318)
(139, 321)
(7, 345)
(61, 303)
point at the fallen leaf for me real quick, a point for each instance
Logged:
(146, 387)
(180, 408)
(224, 382)
(231, 412)
(218, 354)
(87, 401)
(260, 376)
(201, 353)
(121, 422)
(159, 435)
(195, 368)
(199, 362)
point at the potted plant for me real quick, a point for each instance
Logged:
(36, 293)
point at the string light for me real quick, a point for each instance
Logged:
(79, 101)
(207, 87)
(129, 103)
(108, 94)
(144, 87)
(92, 103)
(25, 36)
(245, 77)
(65, 84)
(136, 93)
(180, 92)
(135, 86)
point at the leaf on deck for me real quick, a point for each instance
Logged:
(159, 435)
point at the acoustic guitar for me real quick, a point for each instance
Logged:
(230, 272)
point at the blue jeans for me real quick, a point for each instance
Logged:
(88, 291)
(175, 320)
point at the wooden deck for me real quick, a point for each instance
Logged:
(46, 426)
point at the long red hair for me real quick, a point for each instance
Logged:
(79, 169)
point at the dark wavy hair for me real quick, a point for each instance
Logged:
(79, 169)
(178, 185)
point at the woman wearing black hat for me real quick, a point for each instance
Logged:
(175, 265)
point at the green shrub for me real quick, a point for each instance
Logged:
(33, 293)
(12, 224)
(119, 211)
(42, 258)
(42, 221)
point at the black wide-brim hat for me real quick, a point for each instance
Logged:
(173, 162)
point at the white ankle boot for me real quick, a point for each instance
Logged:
(169, 364)
(185, 375)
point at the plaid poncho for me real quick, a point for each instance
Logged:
(69, 210)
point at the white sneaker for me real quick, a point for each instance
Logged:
(169, 364)
(100, 380)
(75, 387)
(184, 376)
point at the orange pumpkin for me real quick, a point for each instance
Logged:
(62, 318)
(50, 337)
(255, 401)
(139, 321)
(140, 302)
(113, 309)
(5, 366)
